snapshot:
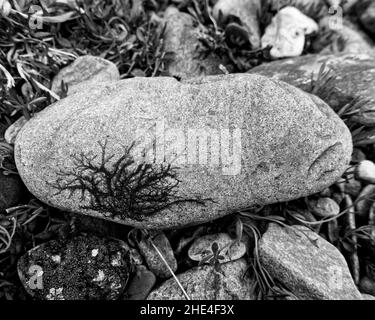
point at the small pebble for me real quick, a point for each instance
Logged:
(11, 133)
(324, 207)
(365, 171)
(353, 187)
(152, 258)
(141, 284)
(366, 285)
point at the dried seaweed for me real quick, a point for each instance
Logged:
(123, 188)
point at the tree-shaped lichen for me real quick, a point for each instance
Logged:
(122, 188)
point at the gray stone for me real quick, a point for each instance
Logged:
(140, 285)
(366, 296)
(286, 144)
(82, 268)
(355, 76)
(353, 187)
(231, 282)
(181, 41)
(153, 259)
(247, 11)
(12, 131)
(364, 202)
(324, 207)
(83, 71)
(367, 285)
(306, 264)
(229, 248)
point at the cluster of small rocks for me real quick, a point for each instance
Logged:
(292, 145)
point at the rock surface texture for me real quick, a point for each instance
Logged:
(306, 264)
(205, 283)
(261, 141)
(354, 73)
(84, 70)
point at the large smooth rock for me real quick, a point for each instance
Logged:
(261, 142)
(83, 71)
(81, 268)
(354, 76)
(247, 11)
(231, 282)
(188, 58)
(306, 264)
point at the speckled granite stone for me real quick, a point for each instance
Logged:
(266, 142)
(205, 283)
(354, 75)
(83, 70)
(309, 266)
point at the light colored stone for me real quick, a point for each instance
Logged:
(182, 43)
(366, 296)
(286, 144)
(205, 283)
(247, 11)
(354, 76)
(306, 264)
(324, 207)
(229, 249)
(12, 131)
(83, 71)
(365, 171)
(68, 269)
(286, 33)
